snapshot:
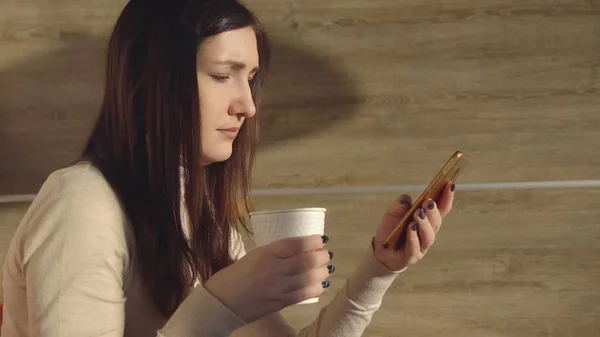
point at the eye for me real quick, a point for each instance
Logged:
(220, 78)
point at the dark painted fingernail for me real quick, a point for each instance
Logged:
(422, 214)
(331, 268)
(453, 187)
(326, 284)
(330, 255)
(415, 226)
(431, 205)
(325, 238)
(406, 202)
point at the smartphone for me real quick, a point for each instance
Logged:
(449, 172)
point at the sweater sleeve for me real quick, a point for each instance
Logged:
(72, 244)
(347, 315)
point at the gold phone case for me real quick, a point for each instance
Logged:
(448, 173)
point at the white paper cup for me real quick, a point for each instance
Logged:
(273, 225)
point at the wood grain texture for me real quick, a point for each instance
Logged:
(360, 93)
(51, 72)
(10, 216)
(513, 85)
(506, 263)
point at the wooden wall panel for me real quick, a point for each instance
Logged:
(359, 94)
(506, 263)
(51, 69)
(10, 216)
(510, 83)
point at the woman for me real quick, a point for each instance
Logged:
(140, 237)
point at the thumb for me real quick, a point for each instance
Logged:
(394, 213)
(400, 206)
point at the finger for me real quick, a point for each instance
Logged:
(299, 295)
(400, 206)
(413, 247)
(401, 242)
(305, 262)
(426, 235)
(288, 247)
(433, 214)
(304, 280)
(446, 199)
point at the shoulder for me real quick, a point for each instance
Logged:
(81, 184)
(75, 209)
(80, 191)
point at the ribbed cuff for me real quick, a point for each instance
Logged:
(371, 280)
(201, 314)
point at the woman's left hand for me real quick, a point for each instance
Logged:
(419, 234)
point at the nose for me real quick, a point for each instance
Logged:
(243, 104)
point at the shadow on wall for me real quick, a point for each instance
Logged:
(49, 102)
(305, 94)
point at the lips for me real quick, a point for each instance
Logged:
(234, 129)
(230, 133)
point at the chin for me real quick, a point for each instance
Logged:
(216, 155)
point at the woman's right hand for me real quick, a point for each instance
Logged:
(273, 277)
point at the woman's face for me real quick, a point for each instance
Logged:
(226, 64)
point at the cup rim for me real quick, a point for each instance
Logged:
(290, 210)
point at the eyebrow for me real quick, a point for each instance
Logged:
(235, 64)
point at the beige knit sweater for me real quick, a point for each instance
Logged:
(70, 271)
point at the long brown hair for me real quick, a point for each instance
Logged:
(146, 142)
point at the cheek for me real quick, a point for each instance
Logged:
(213, 107)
